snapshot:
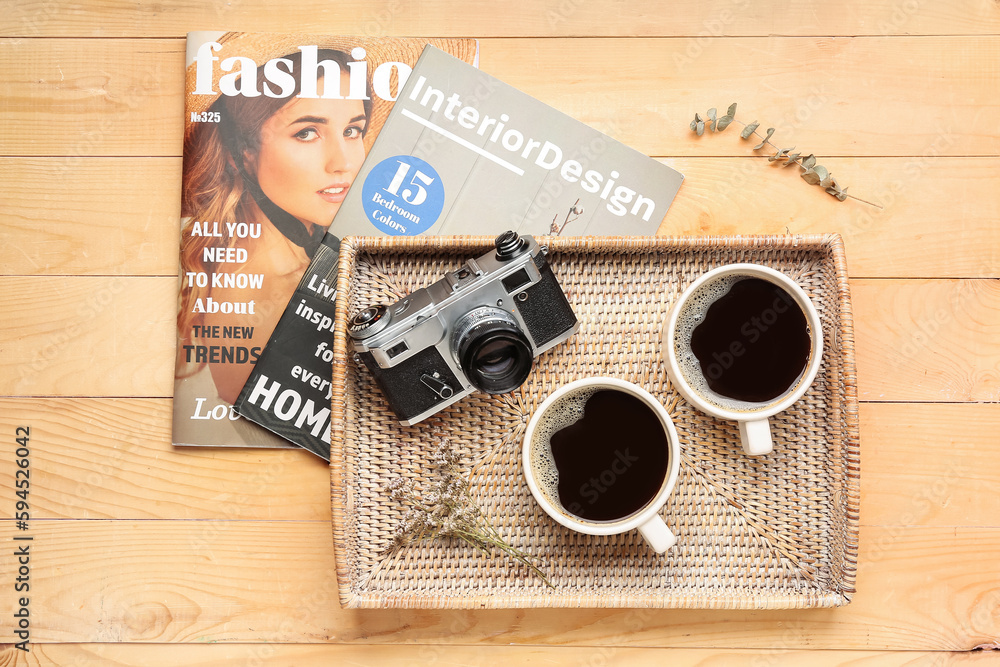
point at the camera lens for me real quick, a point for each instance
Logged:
(494, 353)
(497, 358)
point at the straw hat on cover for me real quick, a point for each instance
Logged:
(261, 47)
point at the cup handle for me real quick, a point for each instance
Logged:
(657, 534)
(756, 437)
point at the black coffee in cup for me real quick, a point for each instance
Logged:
(752, 342)
(609, 454)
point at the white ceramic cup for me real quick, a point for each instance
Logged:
(755, 432)
(646, 519)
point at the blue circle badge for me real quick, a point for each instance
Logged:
(403, 195)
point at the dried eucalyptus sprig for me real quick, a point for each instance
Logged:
(447, 509)
(812, 173)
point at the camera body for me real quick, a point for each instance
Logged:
(479, 327)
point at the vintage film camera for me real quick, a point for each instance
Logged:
(479, 327)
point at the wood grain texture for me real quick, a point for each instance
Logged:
(248, 581)
(821, 95)
(112, 459)
(95, 336)
(149, 555)
(923, 199)
(94, 97)
(90, 216)
(568, 18)
(916, 340)
(323, 655)
(119, 216)
(953, 485)
(928, 340)
(83, 97)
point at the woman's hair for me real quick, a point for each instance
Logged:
(215, 184)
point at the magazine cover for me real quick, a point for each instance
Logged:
(464, 153)
(276, 128)
(461, 153)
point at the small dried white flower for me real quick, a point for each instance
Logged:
(448, 510)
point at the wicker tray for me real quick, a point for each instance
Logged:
(764, 532)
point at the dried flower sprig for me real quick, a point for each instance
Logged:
(447, 509)
(555, 229)
(812, 173)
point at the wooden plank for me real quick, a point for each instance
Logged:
(118, 18)
(916, 340)
(101, 97)
(103, 216)
(938, 215)
(88, 336)
(245, 581)
(929, 464)
(75, 98)
(119, 216)
(820, 94)
(322, 655)
(249, 570)
(927, 340)
(112, 459)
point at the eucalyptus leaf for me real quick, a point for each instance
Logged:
(811, 172)
(770, 131)
(748, 130)
(838, 193)
(815, 175)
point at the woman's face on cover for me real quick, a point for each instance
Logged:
(310, 152)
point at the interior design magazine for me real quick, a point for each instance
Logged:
(461, 153)
(276, 129)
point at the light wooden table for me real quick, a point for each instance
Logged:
(143, 554)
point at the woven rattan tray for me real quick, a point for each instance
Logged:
(753, 532)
